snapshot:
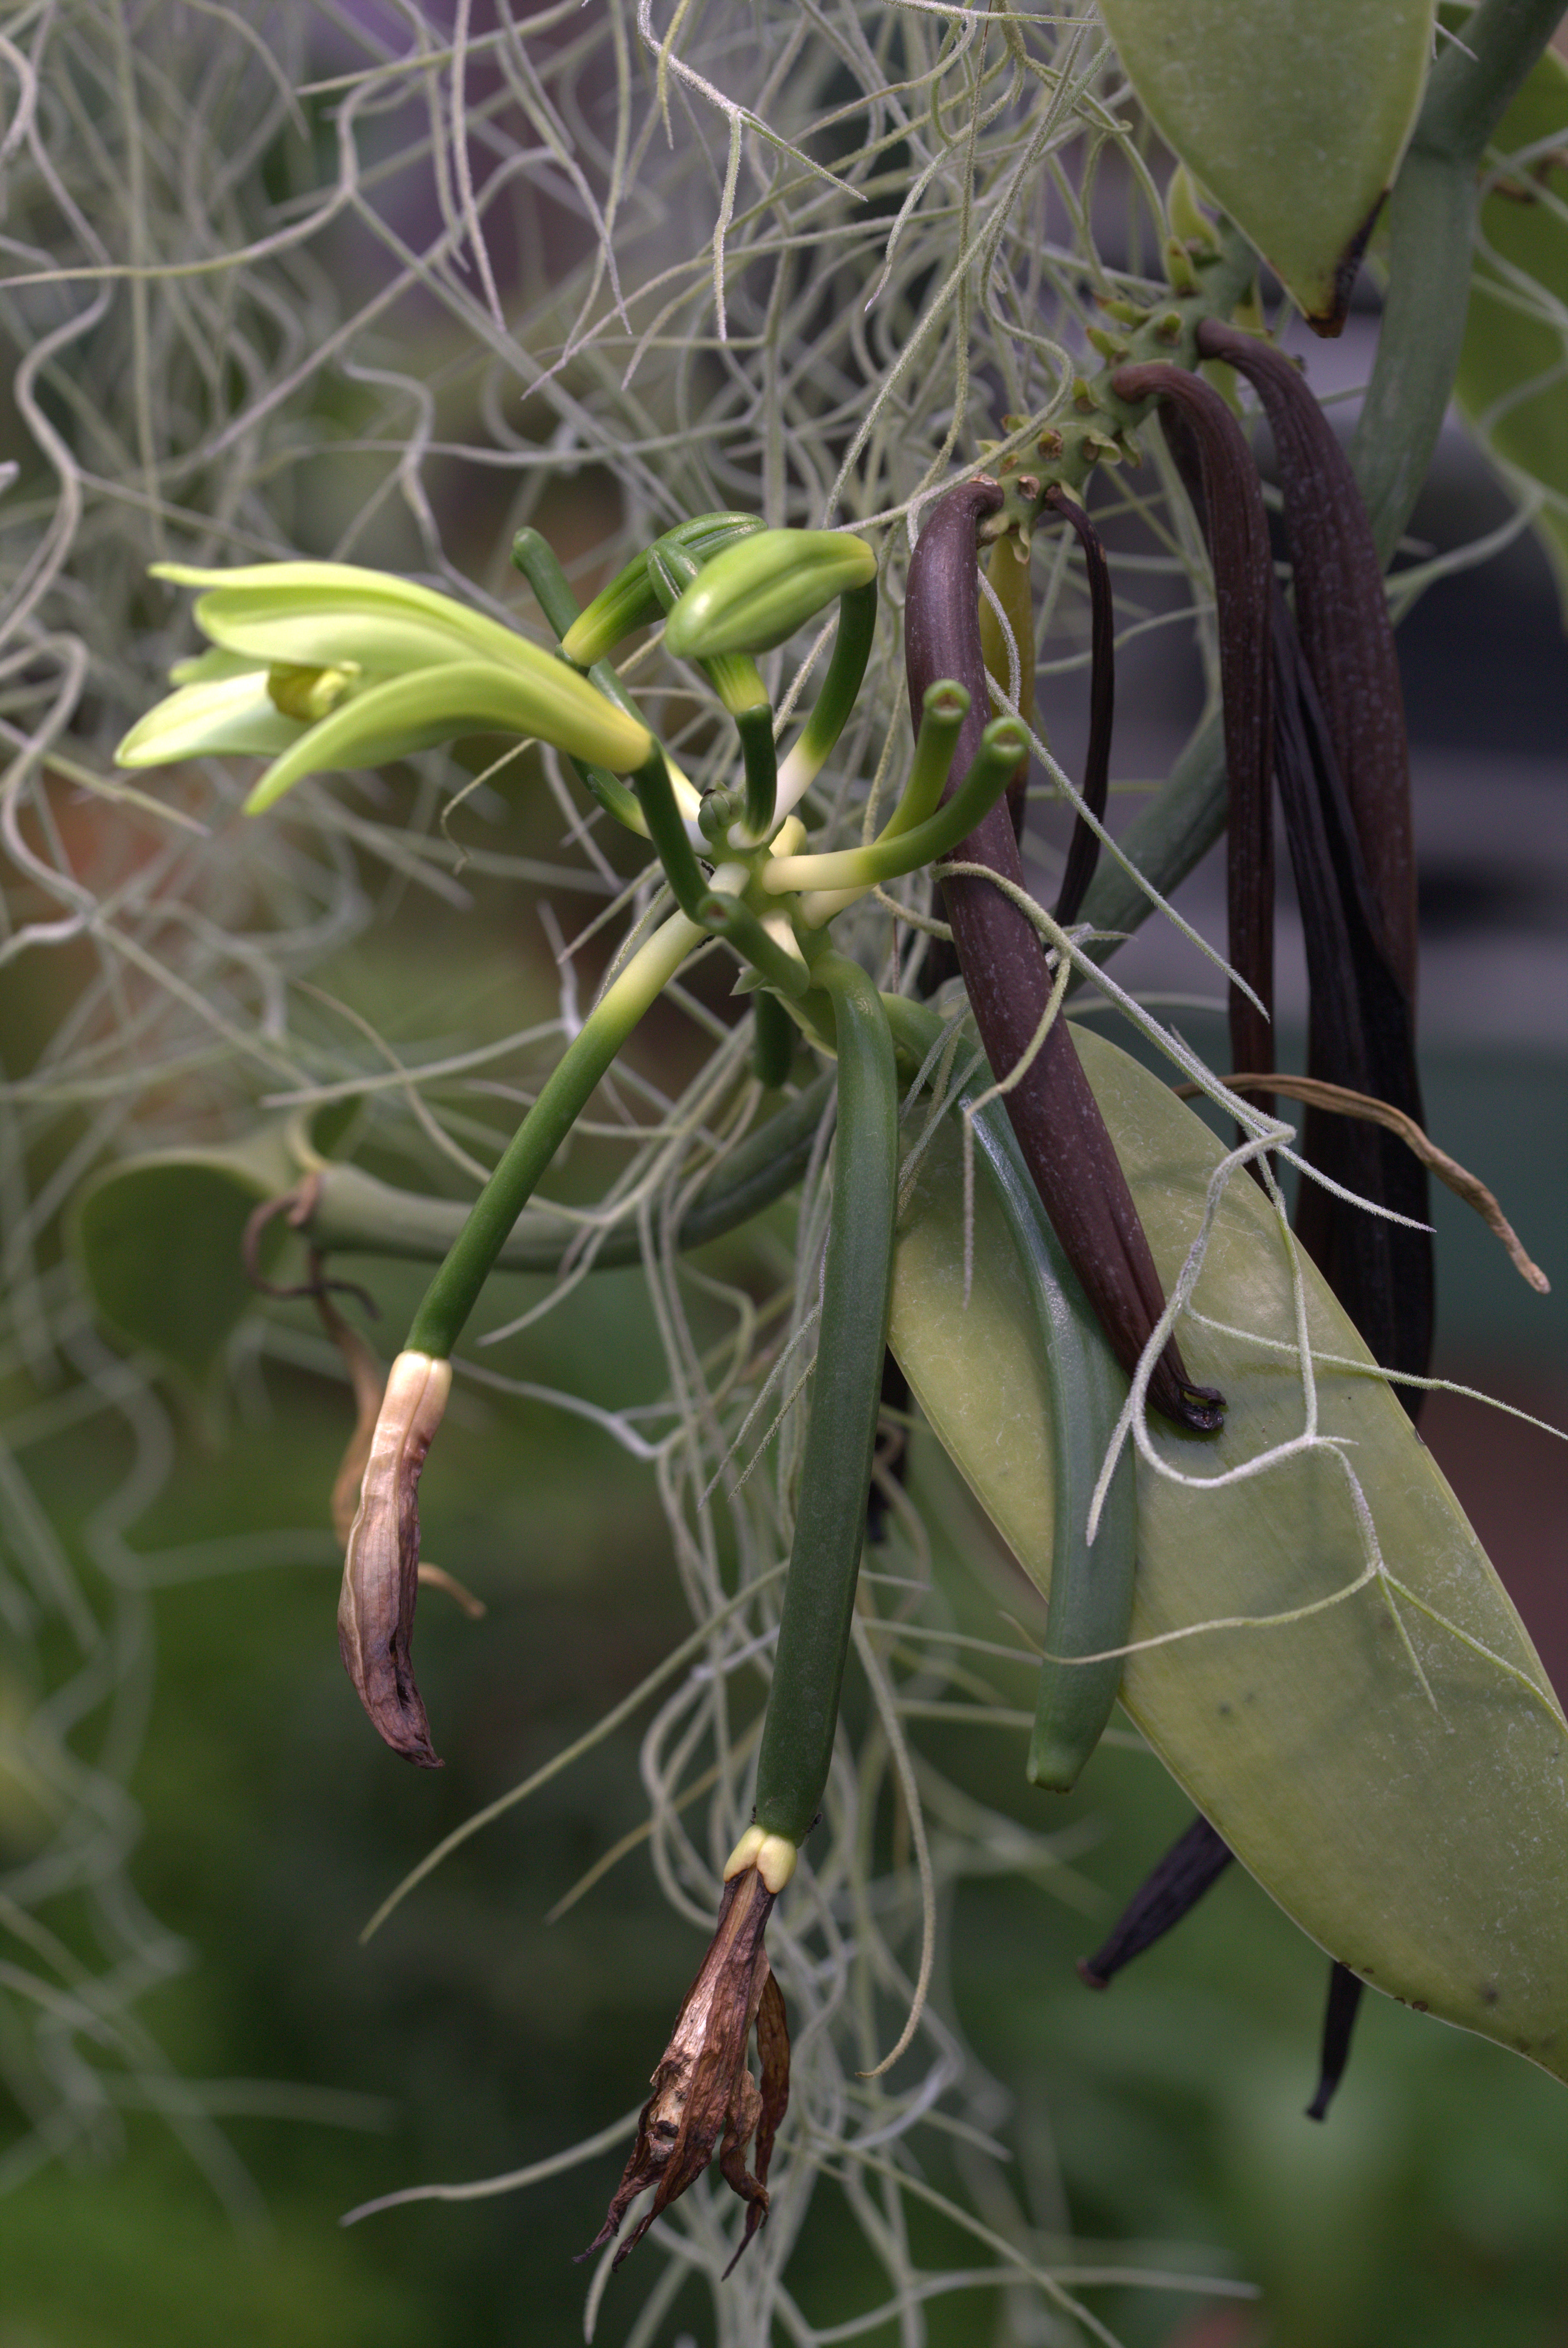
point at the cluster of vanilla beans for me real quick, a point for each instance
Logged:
(1312, 703)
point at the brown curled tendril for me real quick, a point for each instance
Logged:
(1060, 1130)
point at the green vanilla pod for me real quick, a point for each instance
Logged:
(774, 1036)
(754, 595)
(798, 1734)
(1091, 1586)
(1060, 1131)
(631, 598)
(380, 1574)
(1083, 848)
(1210, 449)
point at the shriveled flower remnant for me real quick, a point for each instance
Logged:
(704, 2094)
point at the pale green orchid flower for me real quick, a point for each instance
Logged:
(321, 665)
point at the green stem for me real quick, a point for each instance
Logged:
(1003, 743)
(455, 1290)
(846, 670)
(1432, 228)
(829, 1524)
(536, 558)
(353, 1213)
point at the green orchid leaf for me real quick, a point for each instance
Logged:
(158, 1242)
(440, 705)
(755, 593)
(1513, 382)
(1294, 113)
(1413, 1822)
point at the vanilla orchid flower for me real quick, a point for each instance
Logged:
(322, 665)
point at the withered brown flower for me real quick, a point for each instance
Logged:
(381, 1568)
(704, 2094)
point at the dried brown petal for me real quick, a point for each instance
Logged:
(705, 2098)
(381, 1568)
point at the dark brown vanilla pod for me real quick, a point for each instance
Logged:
(1235, 528)
(1083, 848)
(704, 2096)
(1339, 2021)
(1188, 1868)
(1060, 1130)
(1342, 616)
(1360, 1035)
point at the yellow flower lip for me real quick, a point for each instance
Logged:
(757, 593)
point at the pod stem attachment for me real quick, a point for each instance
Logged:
(819, 1590)
(986, 777)
(455, 1290)
(814, 745)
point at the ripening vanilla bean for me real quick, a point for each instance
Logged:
(1342, 741)
(1083, 848)
(1235, 527)
(1053, 1112)
(1344, 2002)
(1194, 1861)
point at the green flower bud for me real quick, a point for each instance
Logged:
(632, 601)
(756, 594)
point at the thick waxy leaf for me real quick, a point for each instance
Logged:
(1511, 387)
(158, 1241)
(1294, 113)
(1421, 1843)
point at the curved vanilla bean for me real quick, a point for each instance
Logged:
(1083, 848)
(1194, 1861)
(1342, 619)
(1060, 1130)
(1235, 528)
(1360, 1034)
(1339, 2021)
